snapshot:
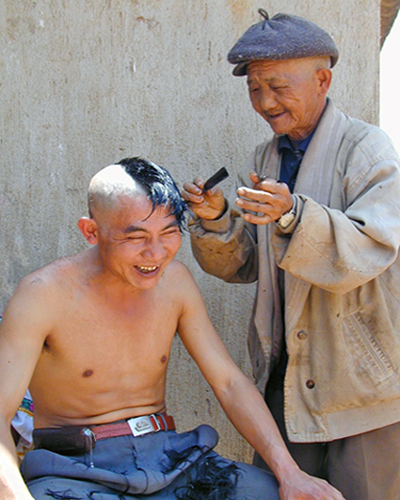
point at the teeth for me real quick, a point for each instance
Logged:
(146, 269)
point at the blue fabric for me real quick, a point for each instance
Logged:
(292, 155)
(149, 466)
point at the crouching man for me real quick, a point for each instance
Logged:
(91, 335)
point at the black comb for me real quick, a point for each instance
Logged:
(215, 179)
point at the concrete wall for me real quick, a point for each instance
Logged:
(84, 83)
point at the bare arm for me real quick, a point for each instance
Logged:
(22, 334)
(241, 400)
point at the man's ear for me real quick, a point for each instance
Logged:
(324, 80)
(89, 229)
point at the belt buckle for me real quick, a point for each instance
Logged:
(143, 425)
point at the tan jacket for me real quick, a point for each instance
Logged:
(342, 280)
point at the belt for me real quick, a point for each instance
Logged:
(73, 440)
(138, 426)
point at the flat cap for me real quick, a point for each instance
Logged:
(284, 36)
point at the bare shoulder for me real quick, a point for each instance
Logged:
(177, 267)
(179, 276)
(183, 286)
(42, 290)
(49, 277)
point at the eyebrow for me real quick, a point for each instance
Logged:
(135, 229)
(268, 79)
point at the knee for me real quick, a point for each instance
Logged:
(256, 484)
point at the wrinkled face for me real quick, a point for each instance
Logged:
(136, 247)
(287, 94)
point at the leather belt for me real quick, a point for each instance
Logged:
(71, 440)
(138, 426)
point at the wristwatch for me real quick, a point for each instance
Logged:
(286, 219)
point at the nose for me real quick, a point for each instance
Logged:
(154, 251)
(267, 101)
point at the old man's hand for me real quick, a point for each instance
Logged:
(209, 205)
(268, 199)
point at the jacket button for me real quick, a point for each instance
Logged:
(310, 384)
(301, 335)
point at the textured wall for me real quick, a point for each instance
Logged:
(84, 83)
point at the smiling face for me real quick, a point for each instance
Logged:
(135, 244)
(290, 95)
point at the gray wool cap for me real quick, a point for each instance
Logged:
(284, 36)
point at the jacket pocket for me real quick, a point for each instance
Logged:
(368, 356)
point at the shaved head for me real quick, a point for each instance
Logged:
(133, 177)
(107, 186)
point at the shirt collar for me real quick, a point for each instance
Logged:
(285, 142)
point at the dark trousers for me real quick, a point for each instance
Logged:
(362, 467)
(159, 466)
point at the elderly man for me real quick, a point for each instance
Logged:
(316, 221)
(92, 335)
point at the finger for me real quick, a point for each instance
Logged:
(192, 198)
(199, 181)
(191, 187)
(255, 194)
(258, 220)
(254, 206)
(268, 184)
(215, 191)
(271, 186)
(255, 177)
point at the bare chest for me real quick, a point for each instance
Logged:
(110, 343)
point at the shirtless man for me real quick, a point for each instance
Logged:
(91, 335)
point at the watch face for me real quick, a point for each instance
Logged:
(286, 220)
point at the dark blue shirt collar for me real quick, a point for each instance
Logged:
(294, 146)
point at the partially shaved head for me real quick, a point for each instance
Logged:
(132, 177)
(107, 186)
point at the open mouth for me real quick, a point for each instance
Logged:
(147, 269)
